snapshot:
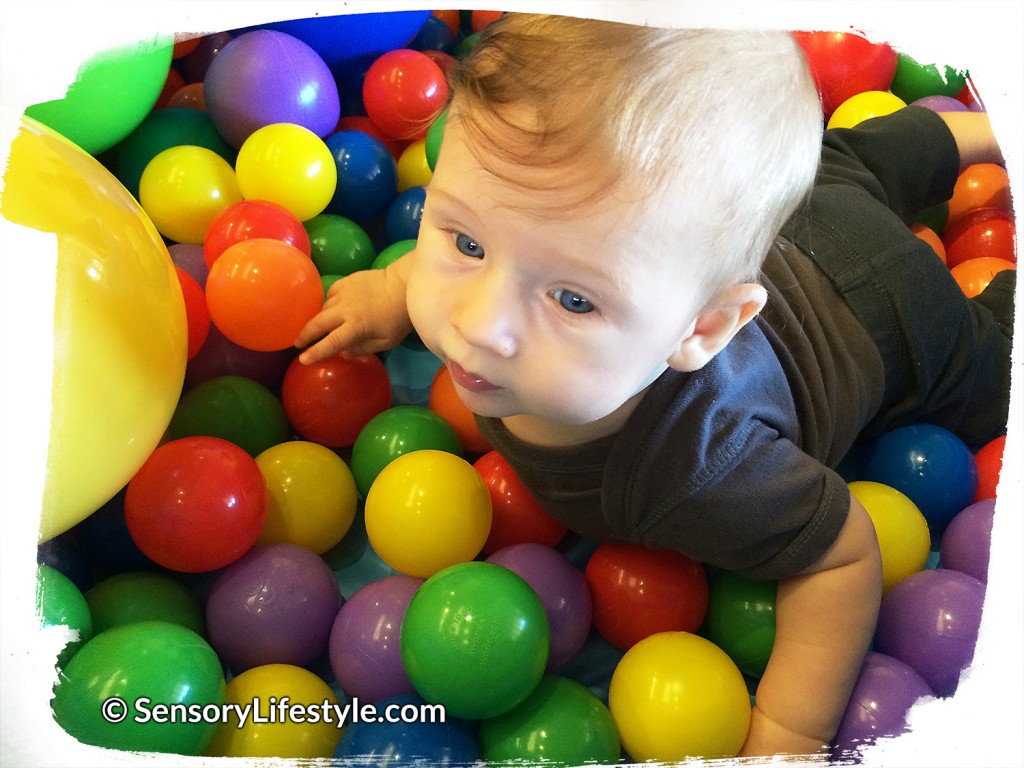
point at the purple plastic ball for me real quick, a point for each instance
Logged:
(930, 621)
(885, 690)
(264, 77)
(364, 652)
(563, 591)
(275, 605)
(219, 356)
(939, 103)
(967, 540)
(190, 257)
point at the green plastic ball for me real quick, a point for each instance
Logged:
(741, 620)
(393, 253)
(559, 723)
(111, 693)
(434, 136)
(60, 603)
(126, 598)
(475, 638)
(338, 246)
(914, 80)
(394, 432)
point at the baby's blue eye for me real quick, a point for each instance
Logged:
(469, 246)
(573, 302)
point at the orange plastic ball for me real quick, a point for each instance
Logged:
(445, 402)
(983, 185)
(974, 275)
(928, 235)
(261, 292)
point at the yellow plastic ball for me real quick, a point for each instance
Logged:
(183, 189)
(413, 168)
(311, 495)
(263, 688)
(427, 510)
(676, 695)
(120, 335)
(289, 165)
(902, 530)
(863, 106)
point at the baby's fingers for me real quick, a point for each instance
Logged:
(337, 342)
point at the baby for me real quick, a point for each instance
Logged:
(674, 309)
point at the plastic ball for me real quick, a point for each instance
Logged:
(112, 93)
(930, 621)
(982, 185)
(367, 175)
(885, 690)
(413, 168)
(402, 220)
(220, 356)
(196, 64)
(160, 130)
(183, 188)
(561, 722)
(517, 516)
(189, 96)
(393, 253)
(845, 64)
(365, 125)
(122, 662)
(339, 245)
(289, 165)
(974, 275)
(981, 233)
(562, 590)
(275, 605)
(395, 432)
(939, 103)
(354, 562)
(432, 145)
(967, 540)
(475, 639)
(197, 315)
(427, 510)
(283, 736)
(639, 592)
(929, 236)
(863, 106)
(189, 257)
(901, 529)
(265, 77)
(133, 596)
(927, 463)
(444, 401)
(311, 496)
(118, 317)
(741, 620)
(676, 695)
(330, 402)
(59, 603)
(411, 368)
(434, 35)
(402, 91)
(249, 219)
(197, 504)
(913, 80)
(418, 740)
(233, 408)
(989, 460)
(261, 292)
(364, 652)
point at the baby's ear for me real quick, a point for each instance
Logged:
(720, 320)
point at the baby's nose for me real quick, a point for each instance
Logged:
(484, 315)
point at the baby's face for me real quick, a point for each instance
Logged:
(559, 316)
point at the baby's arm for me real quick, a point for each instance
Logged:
(825, 619)
(364, 313)
(974, 138)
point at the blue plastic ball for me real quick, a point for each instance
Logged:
(927, 463)
(403, 217)
(367, 175)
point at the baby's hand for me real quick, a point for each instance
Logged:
(364, 313)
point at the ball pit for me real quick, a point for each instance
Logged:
(538, 725)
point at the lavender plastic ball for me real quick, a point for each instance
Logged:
(274, 605)
(562, 590)
(930, 621)
(264, 77)
(967, 540)
(885, 690)
(364, 652)
(939, 103)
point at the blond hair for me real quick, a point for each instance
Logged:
(733, 115)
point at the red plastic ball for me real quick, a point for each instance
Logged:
(516, 516)
(979, 233)
(197, 504)
(989, 460)
(329, 402)
(445, 402)
(261, 293)
(844, 64)
(403, 90)
(480, 19)
(250, 219)
(196, 314)
(639, 592)
(974, 275)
